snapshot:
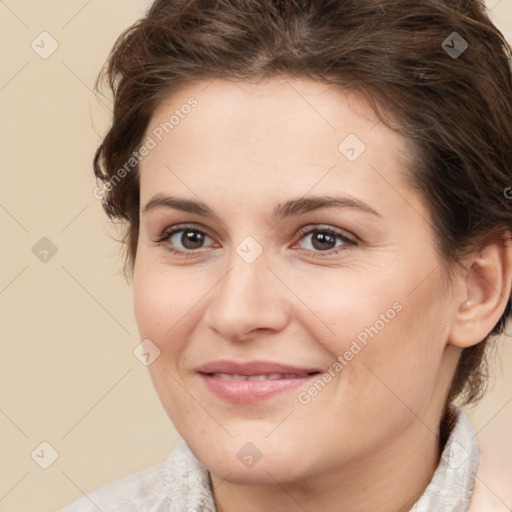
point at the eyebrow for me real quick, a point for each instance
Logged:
(290, 208)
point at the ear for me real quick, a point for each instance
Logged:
(485, 283)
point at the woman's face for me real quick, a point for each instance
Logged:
(299, 249)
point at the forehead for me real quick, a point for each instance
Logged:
(231, 111)
(283, 134)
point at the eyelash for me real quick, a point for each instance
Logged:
(167, 234)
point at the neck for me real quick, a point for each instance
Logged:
(391, 479)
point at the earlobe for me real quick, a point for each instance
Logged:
(487, 282)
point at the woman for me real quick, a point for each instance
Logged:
(318, 232)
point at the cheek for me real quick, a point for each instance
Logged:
(168, 303)
(398, 369)
(164, 310)
(159, 296)
(151, 299)
(387, 340)
(340, 306)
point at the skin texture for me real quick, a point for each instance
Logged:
(367, 440)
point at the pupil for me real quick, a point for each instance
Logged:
(323, 241)
(192, 239)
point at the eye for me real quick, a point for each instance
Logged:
(187, 240)
(325, 240)
(183, 239)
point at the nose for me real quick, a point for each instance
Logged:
(248, 301)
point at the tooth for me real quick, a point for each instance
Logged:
(229, 376)
(270, 376)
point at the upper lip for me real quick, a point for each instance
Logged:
(249, 368)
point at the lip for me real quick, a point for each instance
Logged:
(249, 391)
(249, 368)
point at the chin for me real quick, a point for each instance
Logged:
(245, 462)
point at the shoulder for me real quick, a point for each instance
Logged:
(131, 493)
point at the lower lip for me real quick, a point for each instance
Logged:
(249, 391)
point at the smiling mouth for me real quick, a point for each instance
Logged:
(243, 382)
(246, 389)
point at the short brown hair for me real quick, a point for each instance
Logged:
(441, 68)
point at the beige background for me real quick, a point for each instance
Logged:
(68, 375)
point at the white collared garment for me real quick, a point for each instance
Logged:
(182, 484)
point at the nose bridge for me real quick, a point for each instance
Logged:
(248, 297)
